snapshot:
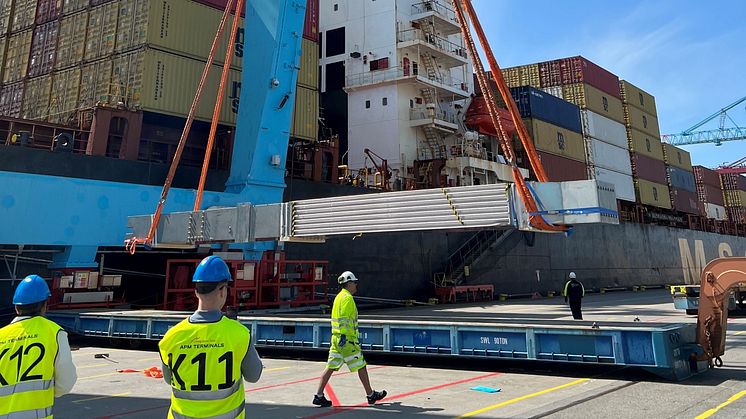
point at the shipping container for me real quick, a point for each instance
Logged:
(646, 168)
(218, 4)
(734, 198)
(634, 96)
(685, 201)
(311, 25)
(653, 194)
(608, 156)
(16, 56)
(578, 70)
(525, 75)
(736, 214)
(646, 144)
(71, 43)
(36, 98)
(63, 102)
(641, 120)
(604, 129)
(555, 91)
(11, 98)
(710, 194)
(674, 156)
(308, 74)
(6, 7)
(733, 182)
(23, 15)
(703, 175)
(43, 49)
(188, 29)
(681, 179)
(624, 185)
(715, 211)
(95, 83)
(3, 50)
(102, 31)
(72, 6)
(533, 103)
(305, 125)
(561, 169)
(48, 10)
(555, 140)
(590, 98)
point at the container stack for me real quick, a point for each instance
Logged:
(646, 149)
(734, 192)
(525, 75)
(710, 193)
(681, 180)
(555, 127)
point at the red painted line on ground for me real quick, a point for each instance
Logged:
(289, 383)
(332, 395)
(338, 410)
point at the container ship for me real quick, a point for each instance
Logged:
(385, 101)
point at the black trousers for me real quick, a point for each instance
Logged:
(577, 314)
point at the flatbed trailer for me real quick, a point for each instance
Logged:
(661, 348)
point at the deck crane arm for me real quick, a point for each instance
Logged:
(382, 166)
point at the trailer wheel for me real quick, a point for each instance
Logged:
(692, 311)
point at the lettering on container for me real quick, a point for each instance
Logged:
(235, 94)
(238, 47)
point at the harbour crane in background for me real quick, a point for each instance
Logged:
(717, 136)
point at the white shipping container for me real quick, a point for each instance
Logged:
(715, 211)
(604, 129)
(623, 184)
(607, 156)
(554, 91)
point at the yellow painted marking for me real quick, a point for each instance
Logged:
(711, 412)
(91, 366)
(276, 369)
(102, 397)
(97, 376)
(527, 396)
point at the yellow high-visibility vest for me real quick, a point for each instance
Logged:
(344, 315)
(28, 349)
(205, 363)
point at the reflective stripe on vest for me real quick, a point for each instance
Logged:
(29, 414)
(28, 349)
(205, 362)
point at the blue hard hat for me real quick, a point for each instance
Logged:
(212, 269)
(33, 289)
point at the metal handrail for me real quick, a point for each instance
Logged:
(437, 41)
(435, 6)
(394, 73)
(429, 113)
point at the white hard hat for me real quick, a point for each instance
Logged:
(346, 277)
(572, 275)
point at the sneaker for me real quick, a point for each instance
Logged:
(323, 401)
(376, 396)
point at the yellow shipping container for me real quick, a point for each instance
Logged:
(71, 42)
(653, 194)
(95, 83)
(642, 143)
(634, 96)
(674, 156)
(734, 198)
(36, 98)
(308, 75)
(23, 15)
(6, 6)
(524, 75)
(184, 27)
(65, 92)
(16, 56)
(3, 49)
(161, 82)
(305, 123)
(589, 97)
(102, 31)
(556, 140)
(71, 6)
(641, 120)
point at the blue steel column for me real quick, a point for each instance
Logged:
(267, 88)
(75, 257)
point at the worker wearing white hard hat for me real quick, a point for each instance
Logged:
(345, 345)
(574, 292)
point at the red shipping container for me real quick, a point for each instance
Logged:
(47, 10)
(711, 194)
(550, 73)
(579, 70)
(685, 201)
(733, 181)
(736, 214)
(43, 49)
(706, 176)
(560, 169)
(11, 97)
(647, 168)
(311, 26)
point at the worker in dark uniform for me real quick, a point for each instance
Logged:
(207, 356)
(574, 293)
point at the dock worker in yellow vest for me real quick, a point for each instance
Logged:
(345, 345)
(207, 356)
(36, 364)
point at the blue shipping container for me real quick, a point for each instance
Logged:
(682, 179)
(533, 103)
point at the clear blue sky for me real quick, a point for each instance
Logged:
(691, 55)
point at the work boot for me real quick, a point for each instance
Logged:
(376, 396)
(322, 401)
